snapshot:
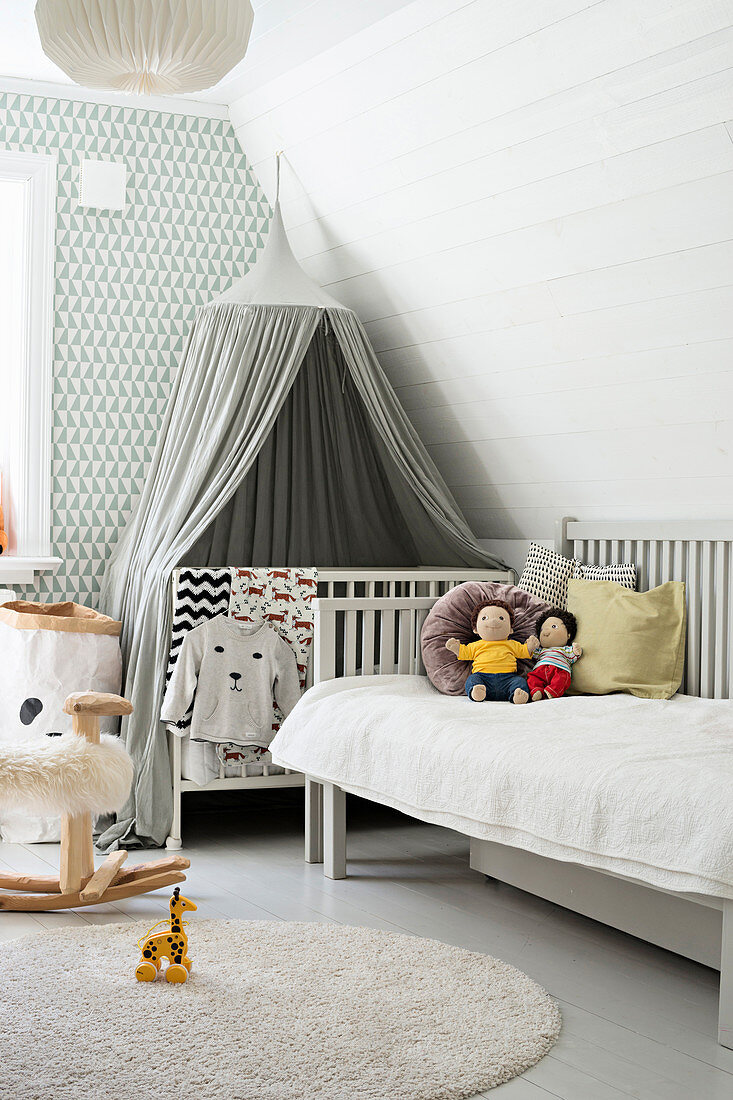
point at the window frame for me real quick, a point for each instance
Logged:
(32, 493)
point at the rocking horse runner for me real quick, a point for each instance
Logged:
(172, 944)
(77, 775)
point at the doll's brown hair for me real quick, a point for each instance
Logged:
(491, 603)
(567, 619)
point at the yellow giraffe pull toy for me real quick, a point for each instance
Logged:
(171, 944)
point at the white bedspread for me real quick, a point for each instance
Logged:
(640, 787)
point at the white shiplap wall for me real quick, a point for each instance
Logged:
(530, 205)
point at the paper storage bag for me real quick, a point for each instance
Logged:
(48, 651)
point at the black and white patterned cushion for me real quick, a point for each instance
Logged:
(201, 594)
(546, 575)
(621, 574)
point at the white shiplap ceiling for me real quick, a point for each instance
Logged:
(285, 33)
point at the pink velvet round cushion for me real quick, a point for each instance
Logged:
(450, 617)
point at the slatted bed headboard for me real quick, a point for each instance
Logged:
(698, 553)
(369, 621)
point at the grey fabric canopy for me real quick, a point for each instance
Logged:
(283, 444)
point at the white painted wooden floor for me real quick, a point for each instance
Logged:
(638, 1021)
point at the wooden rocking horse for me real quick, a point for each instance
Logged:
(77, 775)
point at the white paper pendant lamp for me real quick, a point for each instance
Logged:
(151, 47)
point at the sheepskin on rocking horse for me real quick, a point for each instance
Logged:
(76, 775)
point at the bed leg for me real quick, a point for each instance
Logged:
(334, 831)
(174, 842)
(725, 1017)
(313, 821)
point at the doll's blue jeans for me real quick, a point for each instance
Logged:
(500, 686)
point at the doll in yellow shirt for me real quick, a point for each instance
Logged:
(494, 673)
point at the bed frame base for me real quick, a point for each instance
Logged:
(314, 822)
(725, 1015)
(325, 826)
(697, 927)
(691, 925)
(334, 831)
(692, 928)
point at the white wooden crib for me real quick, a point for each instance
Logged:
(379, 635)
(341, 584)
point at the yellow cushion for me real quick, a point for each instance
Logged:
(632, 641)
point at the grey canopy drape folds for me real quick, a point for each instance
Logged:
(451, 533)
(237, 369)
(283, 443)
(320, 489)
(330, 483)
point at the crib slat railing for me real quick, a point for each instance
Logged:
(405, 642)
(707, 681)
(722, 640)
(388, 628)
(694, 620)
(368, 628)
(387, 639)
(324, 641)
(420, 618)
(350, 641)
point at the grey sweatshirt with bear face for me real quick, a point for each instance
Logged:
(234, 669)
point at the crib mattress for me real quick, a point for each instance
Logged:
(639, 787)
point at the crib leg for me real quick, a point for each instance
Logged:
(725, 1016)
(334, 831)
(174, 843)
(313, 821)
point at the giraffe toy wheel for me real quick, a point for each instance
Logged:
(146, 971)
(176, 972)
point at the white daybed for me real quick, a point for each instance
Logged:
(615, 807)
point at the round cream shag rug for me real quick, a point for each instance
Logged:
(271, 1011)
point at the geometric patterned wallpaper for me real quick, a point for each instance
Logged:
(127, 286)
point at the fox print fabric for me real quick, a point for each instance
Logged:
(284, 598)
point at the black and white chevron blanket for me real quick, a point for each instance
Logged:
(201, 595)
